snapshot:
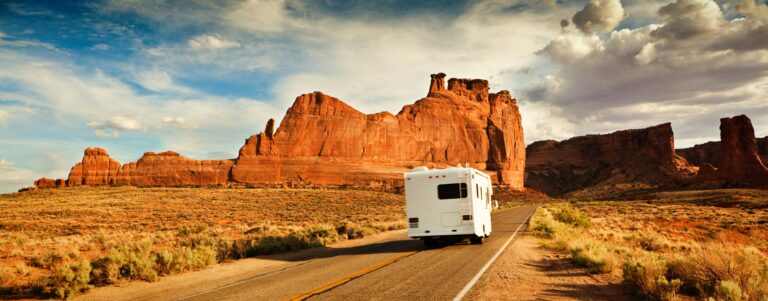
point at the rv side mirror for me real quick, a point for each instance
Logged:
(495, 205)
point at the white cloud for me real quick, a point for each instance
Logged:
(691, 69)
(599, 16)
(179, 122)
(200, 123)
(544, 121)
(2, 35)
(102, 47)
(161, 81)
(111, 127)
(211, 42)
(5, 164)
(572, 46)
(12, 177)
(264, 16)
(4, 117)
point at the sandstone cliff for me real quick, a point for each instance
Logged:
(740, 163)
(709, 153)
(323, 140)
(96, 168)
(643, 155)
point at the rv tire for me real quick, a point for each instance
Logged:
(477, 240)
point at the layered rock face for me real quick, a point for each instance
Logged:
(171, 169)
(322, 140)
(97, 168)
(740, 163)
(709, 153)
(643, 155)
(326, 141)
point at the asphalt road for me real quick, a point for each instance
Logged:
(396, 269)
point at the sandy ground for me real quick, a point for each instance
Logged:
(525, 271)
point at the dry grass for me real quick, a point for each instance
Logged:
(670, 245)
(59, 242)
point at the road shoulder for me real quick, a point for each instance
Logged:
(526, 271)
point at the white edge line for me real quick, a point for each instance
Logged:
(488, 264)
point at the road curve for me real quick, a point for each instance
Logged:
(396, 269)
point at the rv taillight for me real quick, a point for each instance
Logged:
(466, 217)
(413, 220)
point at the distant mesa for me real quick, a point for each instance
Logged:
(643, 155)
(322, 140)
(648, 156)
(739, 163)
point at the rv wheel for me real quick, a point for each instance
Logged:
(476, 240)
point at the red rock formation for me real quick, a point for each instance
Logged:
(96, 168)
(709, 153)
(50, 183)
(644, 155)
(171, 169)
(322, 140)
(740, 164)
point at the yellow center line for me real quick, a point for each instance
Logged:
(347, 278)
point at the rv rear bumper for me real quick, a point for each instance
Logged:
(458, 232)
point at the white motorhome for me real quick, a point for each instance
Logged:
(451, 202)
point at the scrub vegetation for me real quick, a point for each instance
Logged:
(703, 245)
(61, 242)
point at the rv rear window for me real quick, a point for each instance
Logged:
(452, 191)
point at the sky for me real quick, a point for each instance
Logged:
(199, 77)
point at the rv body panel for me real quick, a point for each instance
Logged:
(448, 202)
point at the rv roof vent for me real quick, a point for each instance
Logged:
(420, 168)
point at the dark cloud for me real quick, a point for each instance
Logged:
(599, 15)
(686, 19)
(693, 68)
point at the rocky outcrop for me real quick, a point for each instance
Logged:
(709, 153)
(643, 155)
(323, 140)
(96, 168)
(171, 169)
(50, 183)
(739, 164)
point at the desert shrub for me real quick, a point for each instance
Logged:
(68, 280)
(729, 291)
(650, 242)
(647, 276)
(323, 234)
(572, 216)
(290, 243)
(164, 262)
(22, 268)
(48, 260)
(556, 244)
(196, 229)
(170, 261)
(234, 249)
(350, 230)
(6, 276)
(129, 261)
(388, 226)
(708, 267)
(595, 256)
(544, 229)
